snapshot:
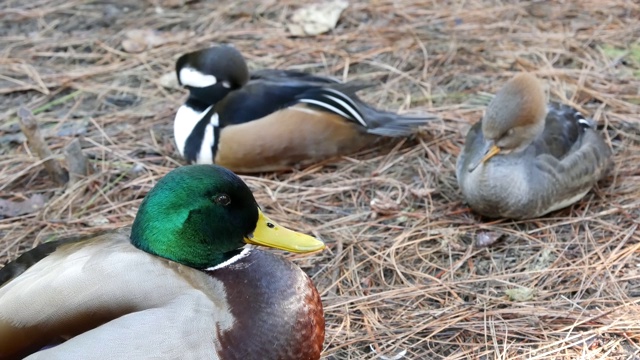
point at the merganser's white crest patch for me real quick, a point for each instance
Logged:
(192, 77)
(244, 253)
(185, 121)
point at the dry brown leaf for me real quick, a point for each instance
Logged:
(10, 208)
(139, 40)
(520, 294)
(316, 18)
(487, 238)
(169, 80)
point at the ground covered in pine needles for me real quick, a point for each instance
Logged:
(405, 272)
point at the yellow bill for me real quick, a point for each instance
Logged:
(493, 150)
(270, 234)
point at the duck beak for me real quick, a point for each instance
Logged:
(490, 150)
(270, 234)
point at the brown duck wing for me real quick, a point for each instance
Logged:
(295, 135)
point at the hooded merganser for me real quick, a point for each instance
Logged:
(272, 119)
(527, 158)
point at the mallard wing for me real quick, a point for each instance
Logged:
(103, 293)
(29, 258)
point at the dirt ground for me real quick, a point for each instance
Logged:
(403, 273)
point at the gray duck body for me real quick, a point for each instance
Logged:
(557, 169)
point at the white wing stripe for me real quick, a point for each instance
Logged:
(345, 97)
(354, 112)
(326, 106)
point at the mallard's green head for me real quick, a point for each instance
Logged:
(200, 215)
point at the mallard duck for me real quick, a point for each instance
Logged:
(178, 285)
(272, 119)
(527, 158)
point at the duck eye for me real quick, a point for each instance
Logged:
(222, 199)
